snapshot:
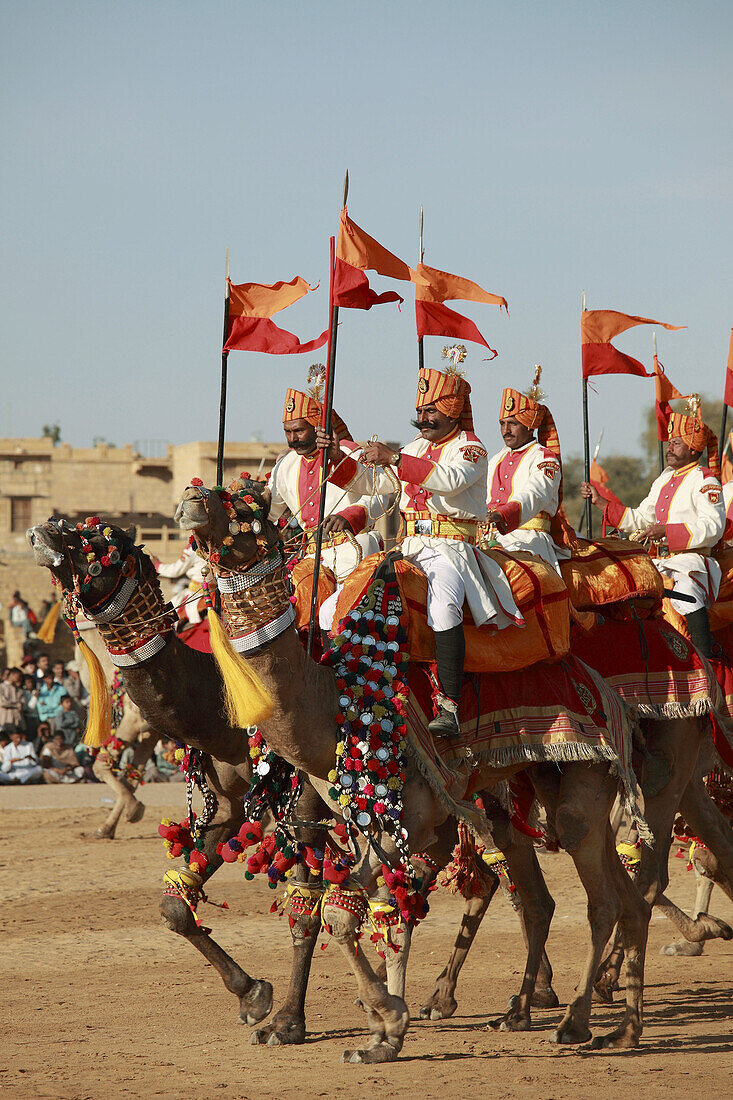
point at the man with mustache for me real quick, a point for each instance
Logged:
(684, 517)
(294, 485)
(443, 475)
(525, 478)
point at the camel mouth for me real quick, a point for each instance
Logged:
(40, 540)
(191, 513)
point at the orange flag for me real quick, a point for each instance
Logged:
(597, 328)
(261, 300)
(664, 392)
(356, 251)
(251, 305)
(726, 466)
(433, 285)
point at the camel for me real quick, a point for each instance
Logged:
(303, 730)
(178, 693)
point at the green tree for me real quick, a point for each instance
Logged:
(52, 432)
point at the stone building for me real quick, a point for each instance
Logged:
(136, 484)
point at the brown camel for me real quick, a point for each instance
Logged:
(577, 797)
(132, 730)
(178, 691)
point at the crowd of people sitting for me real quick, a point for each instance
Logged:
(43, 712)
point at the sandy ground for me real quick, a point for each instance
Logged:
(99, 1000)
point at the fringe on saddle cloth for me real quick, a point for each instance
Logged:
(556, 712)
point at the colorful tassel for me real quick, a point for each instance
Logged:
(247, 701)
(99, 721)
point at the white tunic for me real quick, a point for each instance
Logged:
(689, 502)
(448, 479)
(524, 486)
(295, 485)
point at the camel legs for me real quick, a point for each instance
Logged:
(287, 1026)
(123, 788)
(579, 800)
(442, 1003)
(707, 822)
(682, 921)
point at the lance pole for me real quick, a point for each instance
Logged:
(723, 419)
(420, 256)
(326, 417)
(662, 460)
(223, 394)
(586, 449)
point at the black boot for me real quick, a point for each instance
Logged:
(698, 625)
(450, 652)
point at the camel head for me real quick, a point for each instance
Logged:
(91, 559)
(231, 523)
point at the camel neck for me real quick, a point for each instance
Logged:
(303, 728)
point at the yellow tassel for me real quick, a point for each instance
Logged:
(247, 701)
(99, 721)
(47, 633)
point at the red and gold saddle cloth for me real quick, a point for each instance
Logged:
(649, 664)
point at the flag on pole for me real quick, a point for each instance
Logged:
(356, 252)
(664, 392)
(726, 465)
(728, 393)
(251, 305)
(597, 328)
(433, 318)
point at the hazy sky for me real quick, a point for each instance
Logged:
(555, 146)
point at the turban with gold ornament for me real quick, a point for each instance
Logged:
(303, 406)
(692, 430)
(449, 392)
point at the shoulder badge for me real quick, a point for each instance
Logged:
(473, 453)
(712, 492)
(549, 469)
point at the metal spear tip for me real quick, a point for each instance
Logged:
(346, 187)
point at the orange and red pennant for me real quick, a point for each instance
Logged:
(597, 329)
(728, 393)
(433, 318)
(251, 306)
(356, 252)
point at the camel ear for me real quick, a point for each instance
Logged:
(130, 531)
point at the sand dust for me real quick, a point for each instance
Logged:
(100, 1001)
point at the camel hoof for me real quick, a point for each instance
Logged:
(137, 814)
(605, 988)
(545, 998)
(511, 1021)
(682, 947)
(256, 1003)
(438, 1008)
(626, 1038)
(281, 1031)
(383, 1052)
(566, 1035)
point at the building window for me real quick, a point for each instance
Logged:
(20, 513)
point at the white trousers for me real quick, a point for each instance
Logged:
(688, 586)
(446, 590)
(327, 609)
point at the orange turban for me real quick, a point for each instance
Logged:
(533, 416)
(696, 434)
(448, 392)
(301, 406)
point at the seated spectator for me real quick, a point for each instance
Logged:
(50, 695)
(59, 762)
(19, 761)
(43, 665)
(68, 722)
(30, 706)
(21, 614)
(11, 701)
(168, 768)
(29, 666)
(59, 671)
(44, 734)
(75, 688)
(85, 759)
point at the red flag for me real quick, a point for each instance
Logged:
(251, 305)
(728, 394)
(262, 334)
(597, 327)
(435, 319)
(356, 251)
(664, 392)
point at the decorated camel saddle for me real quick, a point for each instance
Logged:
(538, 591)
